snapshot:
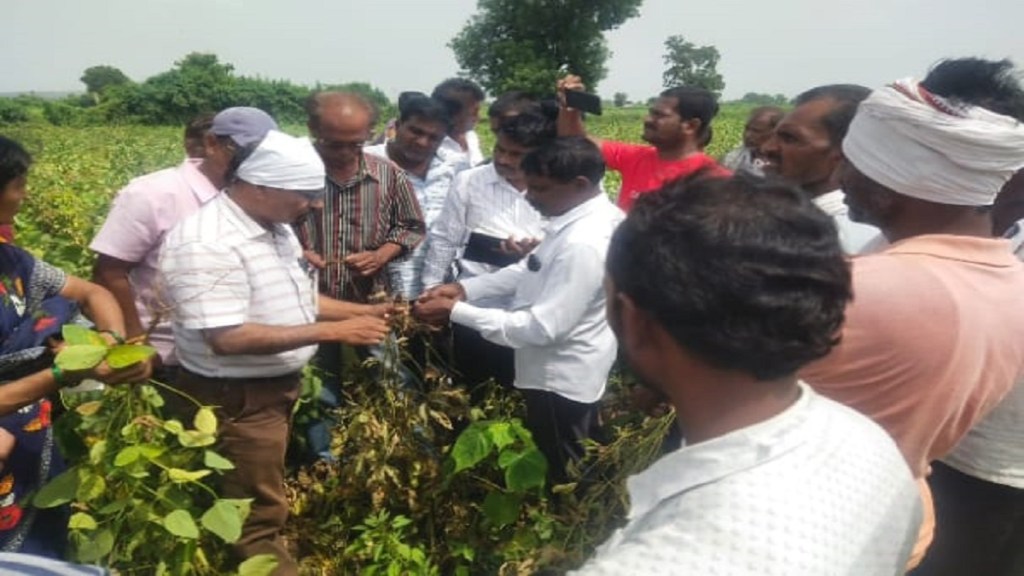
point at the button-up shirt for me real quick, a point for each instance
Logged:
(374, 207)
(556, 321)
(817, 489)
(220, 268)
(141, 215)
(405, 275)
(480, 201)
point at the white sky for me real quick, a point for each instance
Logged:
(779, 46)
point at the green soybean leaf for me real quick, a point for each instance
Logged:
(213, 460)
(225, 520)
(178, 475)
(82, 521)
(259, 565)
(181, 524)
(205, 420)
(82, 357)
(524, 470)
(501, 434)
(124, 355)
(127, 456)
(75, 335)
(195, 439)
(96, 547)
(472, 446)
(90, 487)
(501, 509)
(174, 426)
(60, 490)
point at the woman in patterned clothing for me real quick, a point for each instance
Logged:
(36, 299)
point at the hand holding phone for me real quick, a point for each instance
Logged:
(583, 101)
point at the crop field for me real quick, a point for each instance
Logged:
(424, 482)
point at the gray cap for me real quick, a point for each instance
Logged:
(245, 125)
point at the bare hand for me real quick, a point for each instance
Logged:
(453, 291)
(365, 263)
(519, 248)
(137, 372)
(358, 331)
(436, 310)
(315, 259)
(570, 82)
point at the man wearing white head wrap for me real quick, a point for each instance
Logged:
(246, 319)
(934, 338)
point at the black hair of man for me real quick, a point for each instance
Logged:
(528, 129)
(990, 84)
(198, 126)
(744, 273)
(512, 102)
(318, 100)
(846, 97)
(454, 87)
(692, 102)
(419, 105)
(14, 161)
(565, 159)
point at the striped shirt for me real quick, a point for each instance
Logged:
(373, 208)
(220, 268)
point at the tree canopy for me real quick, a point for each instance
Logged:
(98, 78)
(523, 44)
(691, 65)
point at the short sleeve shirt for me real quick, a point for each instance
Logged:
(643, 171)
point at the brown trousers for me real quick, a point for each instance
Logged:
(255, 418)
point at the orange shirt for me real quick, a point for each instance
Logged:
(933, 339)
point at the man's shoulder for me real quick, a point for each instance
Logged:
(165, 181)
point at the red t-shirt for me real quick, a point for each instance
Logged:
(642, 170)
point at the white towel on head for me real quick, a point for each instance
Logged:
(920, 145)
(284, 162)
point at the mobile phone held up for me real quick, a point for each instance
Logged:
(583, 101)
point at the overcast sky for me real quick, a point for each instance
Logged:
(778, 46)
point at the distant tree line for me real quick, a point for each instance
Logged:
(196, 84)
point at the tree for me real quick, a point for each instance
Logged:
(620, 99)
(764, 99)
(691, 65)
(522, 45)
(98, 78)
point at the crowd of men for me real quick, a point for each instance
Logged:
(831, 310)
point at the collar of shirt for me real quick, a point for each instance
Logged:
(715, 459)
(994, 252)
(249, 228)
(440, 167)
(556, 224)
(369, 168)
(831, 203)
(200, 185)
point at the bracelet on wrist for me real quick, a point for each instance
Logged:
(113, 334)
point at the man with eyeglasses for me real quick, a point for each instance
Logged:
(128, 244)
(246, 319)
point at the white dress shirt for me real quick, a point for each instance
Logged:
(556, 321)
(856, 238)
(480, 201)
(818, 489)
(472, 155)
(993, 449)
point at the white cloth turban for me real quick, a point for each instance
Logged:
(284, 162)
(921, 145)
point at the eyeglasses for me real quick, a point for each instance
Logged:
(337, 145)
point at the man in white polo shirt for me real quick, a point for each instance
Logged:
(246, 319)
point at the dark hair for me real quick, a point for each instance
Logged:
(419, 105)
(693, 103)
(774, 113)
(198, 126)
(990, 84)
(458, 87)
(745, 273)
(14, 161)
(564, 159)
(528, 129)
(846, 97)
(317, 100)
(515, 101)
